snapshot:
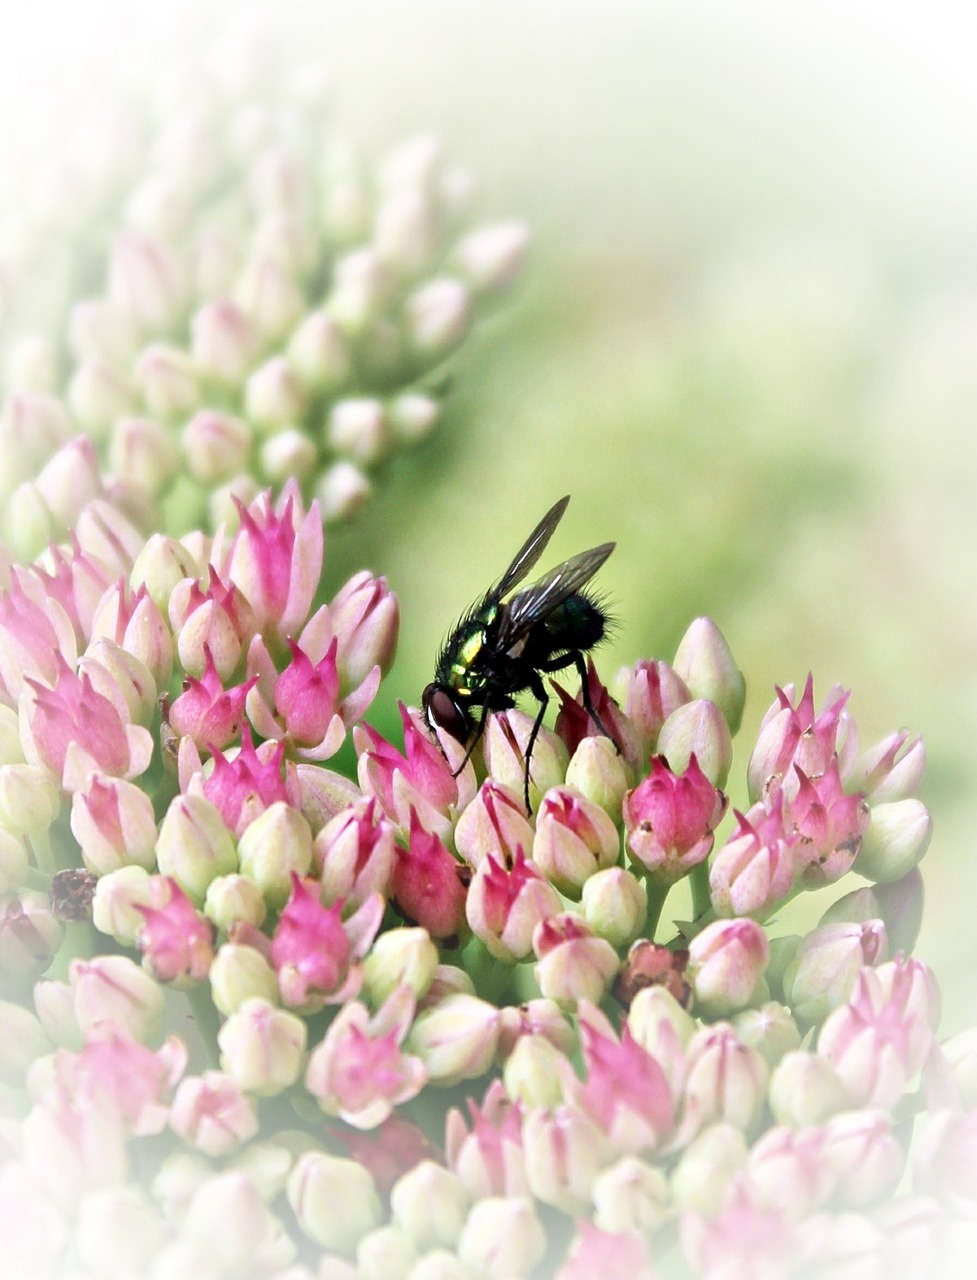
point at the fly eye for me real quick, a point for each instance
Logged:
(445, 714)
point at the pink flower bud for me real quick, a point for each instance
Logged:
(334, 1200)
(207, 712)
(354, 854)
(792, 735)
(945, 1158)
(224, 342)
(698, 729)
(244, 787)
(455, 1038)
(211, 1113)
(69, 480)
(494, 823)
(669, 819)
(262, 1047)
(726, 964)
(33, 632)
(358, 1071)
(275, 561)
(786, 1171)
(564, 1151)
(487, 1158)
(504, 748)
(863, 1156)
(649, 693)
(219, 621)
(829, 826)
(113, 995)
(365, 616)
(176, 941)
(30, 934)
(574, 838)
(194, 845)
(119, 1231)
(504, 905)
(307, 699)
(114, 823)
(310, 949)
(574, 722)
(572, 963)
(248, 1229)
(824, 968)
(133, 621)
(535, 1020)
(429, 885)
(216, 445)
(886, 772)
(664, 1029)
(755, 868)
(594, 1249)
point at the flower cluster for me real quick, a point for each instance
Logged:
(428, 1025)
(262, 302)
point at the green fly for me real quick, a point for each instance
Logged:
(503, 647)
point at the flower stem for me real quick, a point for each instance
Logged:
(657, 893)
(204, 1015)
(490, 976)
(699, 882)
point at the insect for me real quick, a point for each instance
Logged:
(501, 647)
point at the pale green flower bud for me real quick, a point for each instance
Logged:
(159, 206)
(239, 973)
(630, 1195)
(216, 445)
(22, 1039)
(269, 298)
(247, 1228)
(399, 956)
(597, 770)
(11, 748)
(564, 1152)
(960, 1054)
(160, 565)
(334, 1200)
(319, 353)
(262, 1047)
(98, 395)
(145, 280)
(29, 799)
(224, 342)
(288, 453)
(233, 898)
(341, 491)
(194, 846)
(439, 1264)
(770, 1030)
(411, 416)
(897, 837)
(29, 524)
(113, 670)
(455, 1038)
(805, 1090)
(118, 1232)
(70, 480)
(726, 964)
(55, 1006)
(726, 1079)
(615, 904)
(385, 1254)
(821, 976)
(100, 330)
(143, 451)
(429, 1204)
(31, 364)
(532, 1072)
(274, 397)
(14, 862)
(118, 897)
(437, 316)
(502, 1237)
(221, 506)
(363, 286)
(30, 935)
(358, 429)
(698, 728)
(166, 378)
(700, 1178)
(178, 1177)
(490, 258)
(704, 661)
(277, 843)
(413, 163)
(105, 533)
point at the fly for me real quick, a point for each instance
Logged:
(503, 647)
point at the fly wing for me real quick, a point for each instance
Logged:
(531, 550)
(527, 607)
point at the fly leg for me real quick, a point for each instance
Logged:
(581, 666)
(538, 690)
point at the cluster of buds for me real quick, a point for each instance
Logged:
(352, 947)
(267, 303)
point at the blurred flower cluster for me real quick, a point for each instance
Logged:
(282, 998)
(222, 293)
